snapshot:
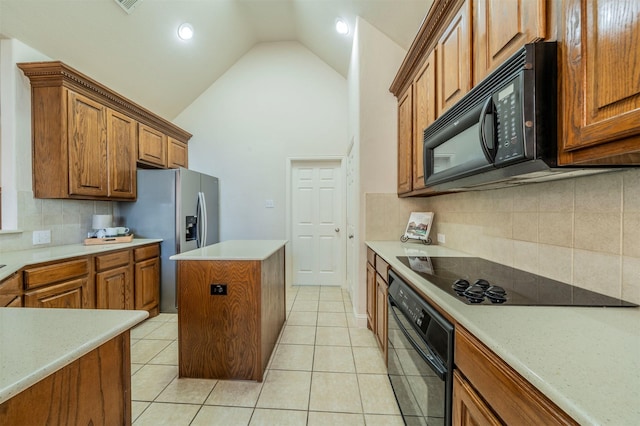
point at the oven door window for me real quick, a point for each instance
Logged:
(419, 391)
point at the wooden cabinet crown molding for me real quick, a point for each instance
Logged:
(424, 41)
(58, 74)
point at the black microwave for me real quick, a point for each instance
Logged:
(503, 131)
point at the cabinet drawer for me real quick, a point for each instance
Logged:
(382, 267)
(494, 379)
(113, 260)
(146, 252)
(49, 274)
(371, 256)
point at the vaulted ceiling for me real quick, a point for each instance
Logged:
(140, 56)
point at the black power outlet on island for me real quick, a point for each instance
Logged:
(218, 289)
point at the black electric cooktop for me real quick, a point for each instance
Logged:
(478, 281)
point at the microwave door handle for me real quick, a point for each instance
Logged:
(487, 112)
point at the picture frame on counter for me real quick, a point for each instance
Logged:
(418, 227)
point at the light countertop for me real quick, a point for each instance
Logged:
(16, 260)
(585, 359)
(233, 250)
(35, 342)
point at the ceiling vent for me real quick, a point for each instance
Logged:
(128, 5)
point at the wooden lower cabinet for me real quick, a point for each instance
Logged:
(119, 279)
(381, 314)
(371, 297)
(232, 335)
(59, 285)
(468, 408)
(497, 389)
(93, 390)
(114, 280)
(11, 291)
(70, 294)
(147, 279)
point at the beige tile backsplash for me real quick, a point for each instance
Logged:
(585, 231)
(68, 220)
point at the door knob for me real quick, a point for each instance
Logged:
(351, 236)
(337, 229)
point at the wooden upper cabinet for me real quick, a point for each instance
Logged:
(152, 146)
(178, 154)
(501, 28)
(122, 138)
(87, 138)
(600, 110)
(453, 49)
(405, 142)
(424, 113)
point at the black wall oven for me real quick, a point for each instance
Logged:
(420, 359)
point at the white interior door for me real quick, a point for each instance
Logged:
(352, 200)
(316, 213)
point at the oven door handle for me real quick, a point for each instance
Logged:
(430, 359)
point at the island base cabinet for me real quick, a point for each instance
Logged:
(93, 390)
(229, 332)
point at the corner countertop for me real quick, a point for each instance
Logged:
(16, 260)
(585, 359)
(35, 342)
(233, 250)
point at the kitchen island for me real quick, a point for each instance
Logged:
(231, 308)
(65, 366)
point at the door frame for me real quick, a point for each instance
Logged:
(288, 217)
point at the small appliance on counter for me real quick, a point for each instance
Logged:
(105, 233)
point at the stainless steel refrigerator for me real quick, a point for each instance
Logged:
(181, 207)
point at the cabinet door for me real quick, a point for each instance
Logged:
(601, 82)
(501, 28)
(405, 141)
(381, 314)
(371, 297)
(68, 294)
(454, 59)
(147, 284)
(11, 291)
(468, 408)
(114, 289)
(152, 146)
(178, 154)
(121, 139)
(424, 101)
(87, 141)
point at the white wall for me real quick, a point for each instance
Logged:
(278, 101)
(15, 126)
(374, 64)
(68, 220)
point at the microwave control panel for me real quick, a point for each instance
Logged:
(509, 132)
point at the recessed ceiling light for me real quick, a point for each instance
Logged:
(342, 27)
(185, 31)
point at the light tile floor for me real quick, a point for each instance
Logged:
(324, 371)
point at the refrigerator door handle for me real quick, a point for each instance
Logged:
(205, 225)
(198, 223)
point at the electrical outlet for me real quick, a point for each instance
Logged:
(441, 238)
(218, 289)
(269, 204)
(41, 237)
